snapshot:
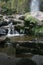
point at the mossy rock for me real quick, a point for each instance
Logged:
(31, 19)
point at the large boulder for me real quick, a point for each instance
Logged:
(34, 17)
(37, 19)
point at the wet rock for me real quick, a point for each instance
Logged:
(6, 60)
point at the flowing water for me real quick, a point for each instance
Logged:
(34, 6)
(12, 31)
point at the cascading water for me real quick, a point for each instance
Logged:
(34, 6)
(35, 9)
(11, 31)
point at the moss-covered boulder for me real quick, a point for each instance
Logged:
(30, 18)
(34, 23)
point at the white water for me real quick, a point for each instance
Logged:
(34, 6)
(11, 31)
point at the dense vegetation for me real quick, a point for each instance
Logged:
(30, 24)
(20, 6)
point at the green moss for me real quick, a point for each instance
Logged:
(31, 19)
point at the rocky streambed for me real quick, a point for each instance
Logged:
(9, 60)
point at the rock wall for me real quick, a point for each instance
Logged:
(41, 5)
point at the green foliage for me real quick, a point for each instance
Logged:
(38, 30)
(32, 22)
(30, 18)
(4, 0)
(8, 11)
(19, 5)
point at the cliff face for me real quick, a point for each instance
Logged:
(41, 5)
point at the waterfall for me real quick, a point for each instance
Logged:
(11, 29)
(34, 6)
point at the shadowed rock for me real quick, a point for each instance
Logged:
(6, 60)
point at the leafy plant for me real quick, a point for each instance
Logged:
(38, 30)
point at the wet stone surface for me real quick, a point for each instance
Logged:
(6, 60)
